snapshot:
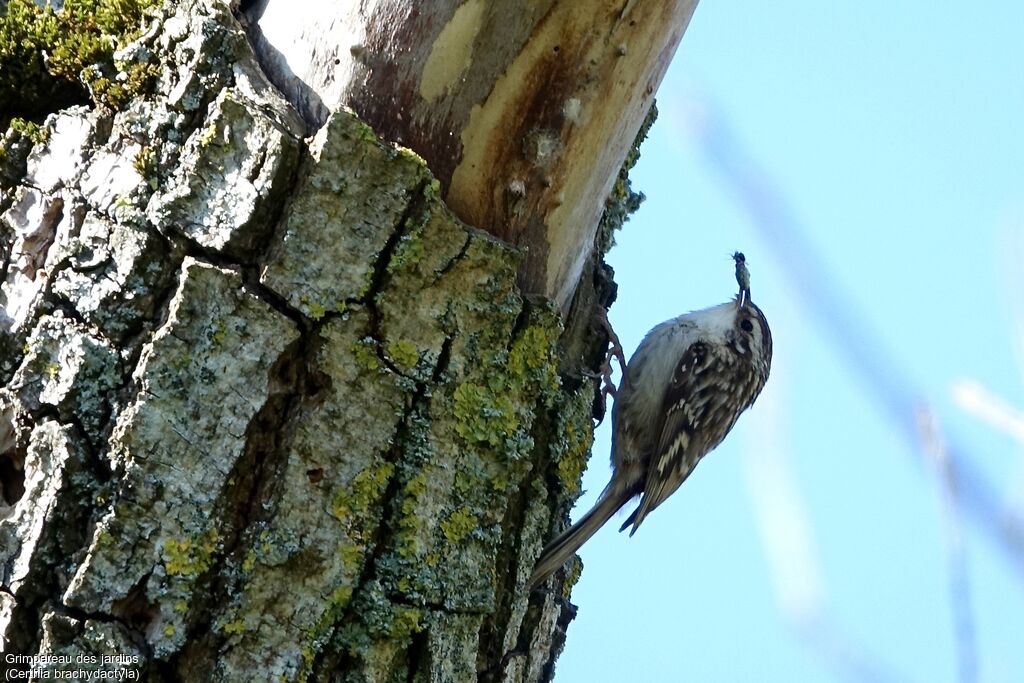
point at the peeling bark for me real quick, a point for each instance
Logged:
(523, 110)
(270, 409)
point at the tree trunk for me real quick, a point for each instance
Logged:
(270, 409)
(523, 110)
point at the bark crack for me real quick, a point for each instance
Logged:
(380, 274)
(338, 656)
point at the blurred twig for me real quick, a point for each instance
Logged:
(963, 485)
(892, 390)
(982, 403)
(934, 447)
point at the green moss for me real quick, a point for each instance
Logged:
(145, 165)
(459, 524)
(30, 129)
(82, 37)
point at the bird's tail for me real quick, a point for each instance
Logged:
(569, 541)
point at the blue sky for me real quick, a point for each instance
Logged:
(813, 545)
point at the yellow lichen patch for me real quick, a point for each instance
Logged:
(572, 577)
(351, 556)
(189, 557)
(365, 353)
(577, 436)
(409, 536)
(452, 51)
(483, 415)
(340, 597)
(407, 622)
(364, 491)
(233, 627)
(249, 562)
(459, 524)
(404, 354)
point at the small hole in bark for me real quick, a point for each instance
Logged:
(12, 478)
(556, 48)
(315, 475)
(317, 383)
(12, 463)
(285, 371)
(135, 609)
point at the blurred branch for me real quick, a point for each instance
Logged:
(980, 402)
(934, 447)
(891, 388)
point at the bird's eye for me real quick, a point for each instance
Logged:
(747, 326)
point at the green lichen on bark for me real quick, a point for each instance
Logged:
(571, 450)
(623, 200)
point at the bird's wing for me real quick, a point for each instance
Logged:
(688, 402)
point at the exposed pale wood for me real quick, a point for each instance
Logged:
(523, 110)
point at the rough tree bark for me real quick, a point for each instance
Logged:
(283, 400)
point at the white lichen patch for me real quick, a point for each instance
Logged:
(111, 175)
(344, 212)
(52, 457)
(201, 381)
(111, 274)
(68, 368)
(571, 109)
(32, 219)
(61, 160)
(231, 174)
